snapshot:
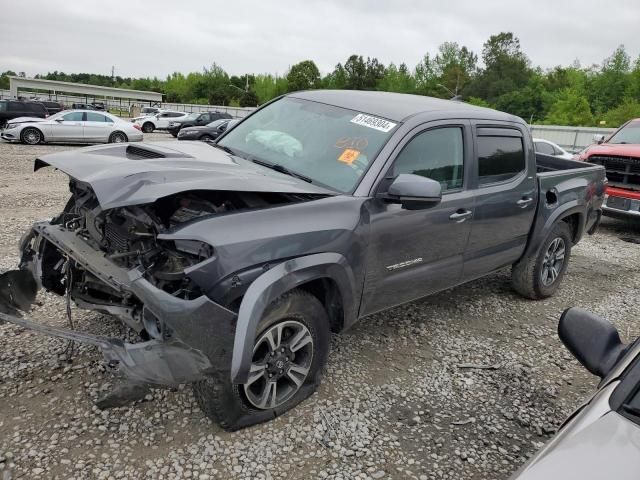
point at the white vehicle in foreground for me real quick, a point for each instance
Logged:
(158, 121)
(73, 126)
(549, 148)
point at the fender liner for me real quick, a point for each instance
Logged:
(541, 230)
(272, 284)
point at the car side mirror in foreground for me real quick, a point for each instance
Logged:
(414, 191)
(594, 341)
(598, 138)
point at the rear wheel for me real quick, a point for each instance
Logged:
(289, 355)
(539, 276)
(117, 137)
(148, 127)
(31, 136)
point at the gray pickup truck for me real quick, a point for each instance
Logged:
(234, 261)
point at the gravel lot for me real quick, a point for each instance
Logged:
(395, 402)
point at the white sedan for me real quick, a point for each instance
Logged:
(550, 148)
(73, 126)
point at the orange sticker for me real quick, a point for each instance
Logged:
(349, 155)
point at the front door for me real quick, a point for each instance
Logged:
(415, 252)
(506, 198)
(69, 128)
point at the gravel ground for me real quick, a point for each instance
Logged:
(394, 403)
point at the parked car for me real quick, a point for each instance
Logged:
(98, 105)
(12, 109)
(600, 439)
(235, 259)
(550, 148)
(195, 119)
(619, 153)
(148, 111)
(51, 106)
(158, 121)
(76, 126)
(206, 133)
(82, 106)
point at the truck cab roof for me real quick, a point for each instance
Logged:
(401, 106)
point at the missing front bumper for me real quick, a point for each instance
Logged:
(201, 332)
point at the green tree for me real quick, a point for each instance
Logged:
(506, 68)
(426, 77)
(397, 79)
(627, 110)
(249, 99)
(303, 76)
(571, 108)
(611, 84)
(454, 66)
(355, 72)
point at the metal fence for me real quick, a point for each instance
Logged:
(123, 106)
(572, 139)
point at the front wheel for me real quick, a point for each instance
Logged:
(289, 355)
(147, 127)
(539, 276)
(31, 136)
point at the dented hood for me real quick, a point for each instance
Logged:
(128, 174)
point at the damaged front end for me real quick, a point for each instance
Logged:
(116, 262)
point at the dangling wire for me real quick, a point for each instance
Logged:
(69, 351)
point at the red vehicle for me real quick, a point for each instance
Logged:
(620, 156)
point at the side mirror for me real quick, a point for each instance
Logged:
(414, 191)
(594, 341)
(598, 138)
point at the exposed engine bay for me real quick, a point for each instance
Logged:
(128, 237)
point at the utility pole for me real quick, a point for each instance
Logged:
(113, 73)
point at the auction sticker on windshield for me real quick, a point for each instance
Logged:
(373, 122)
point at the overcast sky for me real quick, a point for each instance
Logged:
(154, 38)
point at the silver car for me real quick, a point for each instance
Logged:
(74, 126)
(602, 438)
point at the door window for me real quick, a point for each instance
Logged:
(73, 117)
(95, 117)
(499, 158)
(15, 107)
(437, 154)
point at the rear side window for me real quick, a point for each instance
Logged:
(95, 117)
(437, 154)
(175, 114)
(499, 158)
(3, 106)
(36, 108)
(15, 107)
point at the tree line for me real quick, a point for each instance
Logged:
(606, 94)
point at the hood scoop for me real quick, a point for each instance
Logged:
(135, 152)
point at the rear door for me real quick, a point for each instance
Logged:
(506, 198)
(69, 128)
(415, 252)
(97, 127)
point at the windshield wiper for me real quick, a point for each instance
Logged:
(222, 147)
(282, 169)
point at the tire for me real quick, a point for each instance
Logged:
(31, 136)
(175, 134)
(236, 406)
(118, 137)
(148, 127)
(206, 138)
(538, 276)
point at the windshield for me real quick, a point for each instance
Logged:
(332, 146)
(630, 133)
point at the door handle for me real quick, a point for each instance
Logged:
(524, 202)
(461, 215)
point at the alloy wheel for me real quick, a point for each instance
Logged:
(118, 138)
(32, 136)
(281, 361)
(553, 261)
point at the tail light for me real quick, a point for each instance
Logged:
(137, 127)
